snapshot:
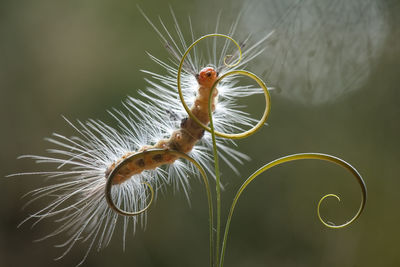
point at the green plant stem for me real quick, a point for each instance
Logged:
(294, 157)
(218, 185)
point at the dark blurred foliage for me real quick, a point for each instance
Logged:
(80, 58)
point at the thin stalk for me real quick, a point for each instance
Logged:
(290, 158)
(217, 181)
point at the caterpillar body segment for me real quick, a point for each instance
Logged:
(181, 140)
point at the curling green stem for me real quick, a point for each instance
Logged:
(290, 158)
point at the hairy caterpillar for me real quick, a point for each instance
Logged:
(181, 140)
(76, 199)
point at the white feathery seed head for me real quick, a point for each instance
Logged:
(76, 187)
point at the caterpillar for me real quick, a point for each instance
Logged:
(181, 140)
(85, 161)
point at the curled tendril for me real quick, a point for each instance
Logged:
(109, 184)
(330, 225)
(112, 205)
(229, 56)
(294, 157)
(233, 72)
(151, 152)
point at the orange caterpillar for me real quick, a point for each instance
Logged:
(181, 140)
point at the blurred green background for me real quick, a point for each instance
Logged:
(80, 58)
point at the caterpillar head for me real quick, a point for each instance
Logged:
(207, 77)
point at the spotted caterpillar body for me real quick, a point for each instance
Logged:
(181, 140)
